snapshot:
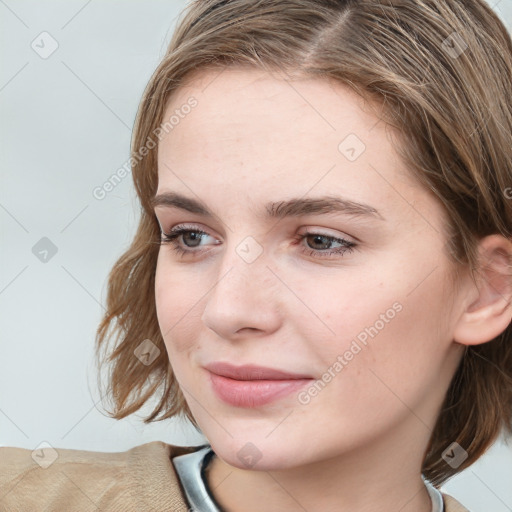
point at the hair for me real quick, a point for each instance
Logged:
(442, 70)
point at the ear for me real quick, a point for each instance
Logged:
(488, 307)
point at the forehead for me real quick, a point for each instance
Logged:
(262, 134)
(273, 107)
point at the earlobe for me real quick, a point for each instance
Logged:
(489, 307)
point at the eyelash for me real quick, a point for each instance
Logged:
(171, 239)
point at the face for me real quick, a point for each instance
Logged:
(312, 252)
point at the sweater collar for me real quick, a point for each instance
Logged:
(190, 468)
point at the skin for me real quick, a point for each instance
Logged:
(358, 444)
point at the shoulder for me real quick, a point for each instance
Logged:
(141, 478)
(452, 505)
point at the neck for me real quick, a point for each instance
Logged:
(372, 479)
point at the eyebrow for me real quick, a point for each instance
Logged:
(295, 207)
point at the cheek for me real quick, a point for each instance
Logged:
(376, 372)
(177, 308)
(390, 325)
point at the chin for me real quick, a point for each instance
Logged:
(258, 455)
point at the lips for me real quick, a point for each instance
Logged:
(252, 372)
(253, 386)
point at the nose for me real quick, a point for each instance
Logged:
(244, 299)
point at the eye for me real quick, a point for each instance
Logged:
(191, 237)
(321, 241)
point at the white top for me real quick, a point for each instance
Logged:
(190, 469)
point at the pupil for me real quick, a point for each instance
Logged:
(318, 239)
(194, 236)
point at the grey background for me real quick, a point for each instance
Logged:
(65, 129)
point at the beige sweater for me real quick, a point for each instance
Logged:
(141, 479)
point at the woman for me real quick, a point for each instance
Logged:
(321, 281)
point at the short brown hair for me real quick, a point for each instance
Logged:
(443, 71)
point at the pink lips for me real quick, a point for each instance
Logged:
(252, 386)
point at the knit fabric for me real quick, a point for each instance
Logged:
(140, 479)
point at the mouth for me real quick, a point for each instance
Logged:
(252, 372)
(251, 386)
